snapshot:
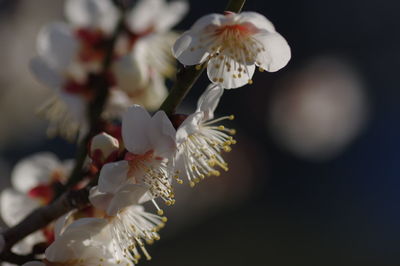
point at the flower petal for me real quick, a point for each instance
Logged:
(128, 195)
(144, 15)
(277, 51)
(189, 50)
(162, 135)
(45, 74)
(209, 100)
(257, 20)
(135, 124)
(34, 170)
(171, 14)
(112, 176)
(235, 76)
(189, 126)
(57, 45)
(15, 206)
(91, 14)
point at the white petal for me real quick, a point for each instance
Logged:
(62, 222)
(189, 126)
(45, 74)
(70, 245)
(100, 200)
(112, 176)
(34, 170)
(92, 14)
(230, 79)
(154, 94)
(144, 15)
(25, 245)
(162, 135)
(128, 195)
(57, 45)
(208, 20)
(135, 124)
(209, 100)
(277, 51)
(188, 49)
(172, 13)
(15, 206)
(257, 20)
(132, 72)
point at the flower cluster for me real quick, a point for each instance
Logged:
(142, 157)
(70, 58)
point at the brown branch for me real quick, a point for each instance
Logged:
(41, 217)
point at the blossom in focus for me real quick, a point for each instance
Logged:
(33, 180)
(200, 141)
(84, 242)
(129, 225)
(233, 45)
(150, 144)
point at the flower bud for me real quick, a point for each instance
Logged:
(102, 147)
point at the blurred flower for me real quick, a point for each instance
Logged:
(233, 44)
(319, 110)
(145, 51)
(33, 179)
(200, 142)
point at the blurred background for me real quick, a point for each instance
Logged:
(314, 178)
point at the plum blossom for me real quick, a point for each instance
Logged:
(200, 142)
(84, 242)
(150, 144)
(129, 225)
(33, 179)
(233, 45)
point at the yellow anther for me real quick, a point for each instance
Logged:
(198, 67)
(168, 203)
(180, 181)
(150, 241)
(227, 148)
(196, 180)
(231, 117)
(261, 69)
(160, 212)
(164, 219)
(250, 81)
(192, 184)
(221, 127)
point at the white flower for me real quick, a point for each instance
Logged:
(129, 225)
(200, 142)
(55, 67)
(150, 143)
(233, 44)
(84, 242)
(32, 179)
